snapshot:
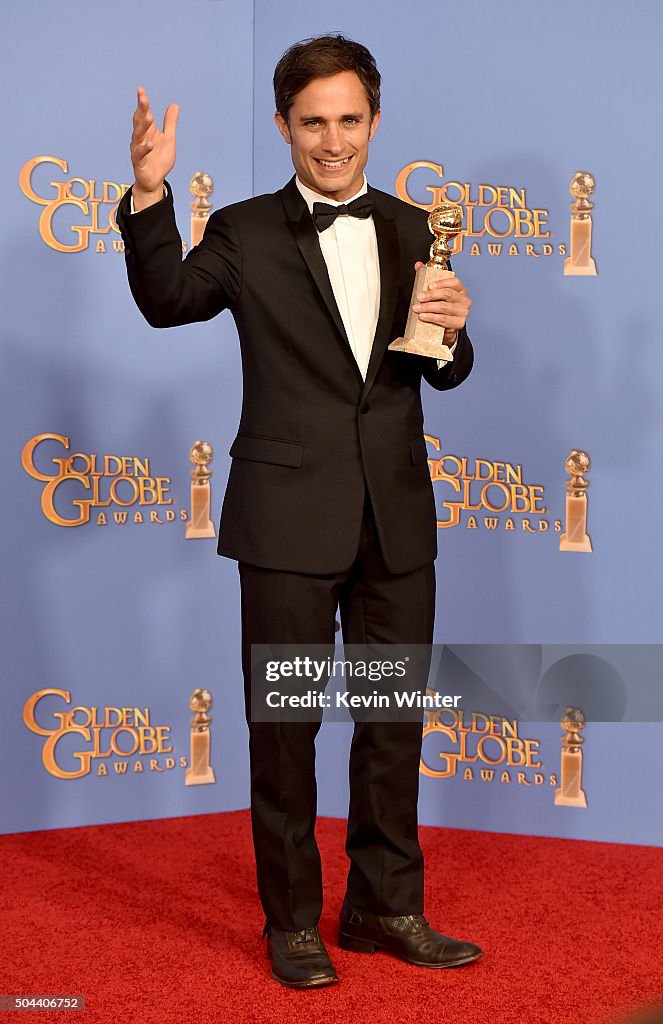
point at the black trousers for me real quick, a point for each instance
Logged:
(386, 863)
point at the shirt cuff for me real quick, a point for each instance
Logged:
(131, 201)
(443, 362)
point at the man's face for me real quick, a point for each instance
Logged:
(328, 130)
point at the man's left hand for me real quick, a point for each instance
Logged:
(445, 303)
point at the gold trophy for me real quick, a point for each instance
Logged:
(570, 792)
(576, 537)
(200, 524)
(580, 261)
(200, 771)
(201, 187)
(421, 338)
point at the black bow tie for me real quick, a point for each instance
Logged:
(324, 215)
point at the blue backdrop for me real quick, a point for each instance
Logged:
(134, 616)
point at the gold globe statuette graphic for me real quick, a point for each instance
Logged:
(421, 338)
(200, 772)
(201, 187)
(579, 262)
(200, 525)
(570, 792)
(575, 537)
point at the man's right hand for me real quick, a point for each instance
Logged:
(152, 151)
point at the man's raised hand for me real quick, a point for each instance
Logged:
(152, 151)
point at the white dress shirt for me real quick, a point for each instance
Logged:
(350, 250)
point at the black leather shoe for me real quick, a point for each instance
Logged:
(410, 938)
(299, 959)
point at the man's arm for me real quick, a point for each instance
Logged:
(170, 292)
(446, 303)
(453, 373)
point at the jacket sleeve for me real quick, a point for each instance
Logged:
(170, 291)
(453, 373)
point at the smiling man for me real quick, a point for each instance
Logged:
(329, 152)
(329, 503)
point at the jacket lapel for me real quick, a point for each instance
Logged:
(306, 236)
(389, 256)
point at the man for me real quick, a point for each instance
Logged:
(329, 501)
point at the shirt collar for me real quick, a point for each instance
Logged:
(310, 197)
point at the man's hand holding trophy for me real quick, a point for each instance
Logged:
(440, 302)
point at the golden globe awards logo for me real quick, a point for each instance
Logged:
(77, 213)
(80, 487)
(498, 219)
(81, 740)
(74, 210)
(483, 494)
(482, 748)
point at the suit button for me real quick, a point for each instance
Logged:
(364, 409)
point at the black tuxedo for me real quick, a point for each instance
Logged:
(312, 433)
(329, 505)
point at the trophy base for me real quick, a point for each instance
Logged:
(199, 532)
(579, 270)
(575, 545)
(203, 779)
(422, 338)
(570, 801)
(432, 349)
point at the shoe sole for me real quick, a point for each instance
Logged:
(316, 983)
(355, 945)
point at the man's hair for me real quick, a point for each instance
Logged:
(321, 57)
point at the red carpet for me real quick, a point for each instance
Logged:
(159, 922)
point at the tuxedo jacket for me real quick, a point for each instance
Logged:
(313, 435)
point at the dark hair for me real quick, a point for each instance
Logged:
(321, 57)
